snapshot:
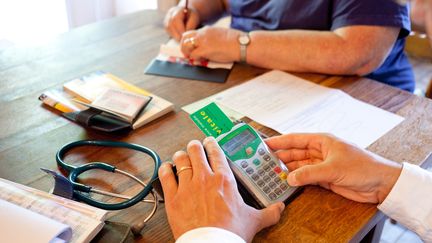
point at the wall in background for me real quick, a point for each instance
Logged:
(81, 12)
(25, 21)
(33, 22)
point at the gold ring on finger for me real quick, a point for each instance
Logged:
(183, 169)
(192, 40)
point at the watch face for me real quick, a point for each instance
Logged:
(244, 39)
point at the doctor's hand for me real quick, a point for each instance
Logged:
(206, 194)
(211, 43)
(176, 22)
(322, 159)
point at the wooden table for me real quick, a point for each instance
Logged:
(30, 134)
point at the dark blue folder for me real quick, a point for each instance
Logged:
(177, 70)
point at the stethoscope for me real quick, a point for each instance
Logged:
(81, 192)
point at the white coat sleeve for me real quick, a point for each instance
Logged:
(209, 235)
(410, 201)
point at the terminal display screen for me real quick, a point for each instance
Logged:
(238, 142)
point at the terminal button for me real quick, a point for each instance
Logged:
(244, 164)
(277, 170)
(249, 150)
(272, 185)
(249, 171)
(257, 162)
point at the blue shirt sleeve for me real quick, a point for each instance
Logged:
(371, 12)
(324, 15)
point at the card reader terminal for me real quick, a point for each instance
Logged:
(261, 176)
(255, 165)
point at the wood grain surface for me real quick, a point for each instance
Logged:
(30, 133)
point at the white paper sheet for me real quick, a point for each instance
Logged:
(289, 104)
(84, 222)
(18, 224)
(171, 52)
(24, 191)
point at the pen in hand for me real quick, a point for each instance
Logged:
(186, 12)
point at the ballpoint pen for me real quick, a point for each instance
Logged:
(186, 12)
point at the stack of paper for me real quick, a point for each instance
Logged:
(289, 104)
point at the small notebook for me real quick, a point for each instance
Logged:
(105, 102)
(123, 104)
(178, 70)
(172, 63)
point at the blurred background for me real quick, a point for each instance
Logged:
(25, 23)
(29, 22)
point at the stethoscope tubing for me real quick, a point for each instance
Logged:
(75, 171)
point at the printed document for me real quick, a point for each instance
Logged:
(21, 225)
(30, 215)
(289, 104)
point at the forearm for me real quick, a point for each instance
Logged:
(207, 10)
(418, 16)
(314, 51)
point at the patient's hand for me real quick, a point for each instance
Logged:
(212, 43)
(176, 21)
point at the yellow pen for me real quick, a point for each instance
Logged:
(56, 99)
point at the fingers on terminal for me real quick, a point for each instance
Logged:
(217, 159)
(168, 181)
(293, 155)
(295, 141)
(198, 158)
(287, 141)
(310, 174)
(183, 165)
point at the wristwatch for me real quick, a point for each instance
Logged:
(244, 41)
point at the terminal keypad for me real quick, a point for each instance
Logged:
(266, 174)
